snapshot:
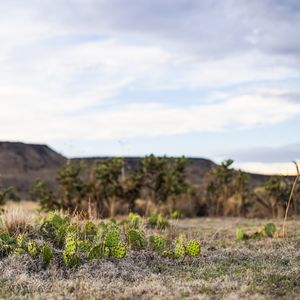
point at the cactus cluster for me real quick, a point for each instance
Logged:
(74, 241)
(268, 230)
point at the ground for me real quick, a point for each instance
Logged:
(264, 268)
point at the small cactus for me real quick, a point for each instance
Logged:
(136, 238)
(33, 248)
(159, 242)
(112, 238)
(179, 251)
(241, 235)
(119, 251)
(47, 253)
(270, 229)
(193, 248)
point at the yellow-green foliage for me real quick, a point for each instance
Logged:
(179, 250)
(269, 230)
(119, 251)
(241, 235)
(193, 248)
(112, 238)
(158, 221)
(159, 242)
(135, 220)
(71, 245)
(47, 253)
(33, 248)
(136, 238)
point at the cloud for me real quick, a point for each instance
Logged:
(209, 28)
(268, 154)
(145, 119)
(72, 69)
(287, 168)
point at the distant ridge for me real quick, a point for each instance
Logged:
(21, 164)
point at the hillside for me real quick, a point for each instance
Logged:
(21, 164)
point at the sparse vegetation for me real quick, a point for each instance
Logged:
(159, 264)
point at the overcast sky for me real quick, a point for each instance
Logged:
(202, 78)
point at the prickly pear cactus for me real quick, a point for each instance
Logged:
(47, 253)
(136, 238)
(112, 238)
(33, 248)
(135, 220)
(240, 234)
(159, 242)
(270, 229)
(179, 251)
(21, 245)
(119, 251)
(71, 246)
(193, 248)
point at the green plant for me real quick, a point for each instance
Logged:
(135, 220)
(33, 248)
(20, 245)
(177, 214)
(193, 248)
(241, 235)
(119, 251)
(46, 253)
(136, 238)
(270, 229)
(158, 221)
(7, 244)
(112, 238)
(70, 254)
(159, 242)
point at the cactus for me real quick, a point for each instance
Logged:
(112, 238)
(47, 253)
(179, 251)
(33, 248)
(119, 251)
(90, 230)
(241, 235)
(193, 248)
(136, 238)
(135, 220)
(159, 242)
(270, 229)
(71, 246)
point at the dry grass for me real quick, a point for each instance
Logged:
(266, 268)
(16, 220)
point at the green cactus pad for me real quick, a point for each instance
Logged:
(112, 238)
(119, 251)
(179, 251)
(270, 229)
(159, 242)
(47, 253)
(33, 248)
(193, 248)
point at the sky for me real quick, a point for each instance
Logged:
(201, 78)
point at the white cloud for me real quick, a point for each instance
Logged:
(145, 120)
(287, 168)
(65, 67)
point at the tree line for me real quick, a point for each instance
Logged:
(162, 182)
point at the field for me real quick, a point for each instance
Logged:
(262, 268)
